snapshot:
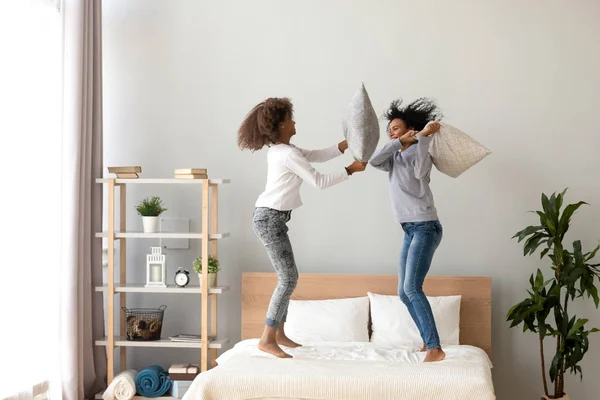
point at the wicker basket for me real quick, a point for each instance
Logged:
(144, 323)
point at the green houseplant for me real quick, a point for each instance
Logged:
(545, 311)
(213, 268)
(150, 209)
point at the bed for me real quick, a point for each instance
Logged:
(340, 364)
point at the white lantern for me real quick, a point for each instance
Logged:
(156, 269)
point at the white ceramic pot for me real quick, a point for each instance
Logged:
(211, 280)
(150, 224)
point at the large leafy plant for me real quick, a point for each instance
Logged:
(545, 311)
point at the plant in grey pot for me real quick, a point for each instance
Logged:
(150, 209)
(545, 311)
(213, 268)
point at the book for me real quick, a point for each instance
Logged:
(187, 370)
(187, 171)
(182, 377)
(189, 338)
(123, 175)
(126, 169)
(191, 176)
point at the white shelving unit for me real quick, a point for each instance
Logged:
(121, 341)
(193, 289)
(162, 235)
(165, 181)
(209, 238)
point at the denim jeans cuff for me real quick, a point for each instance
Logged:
(271, 322)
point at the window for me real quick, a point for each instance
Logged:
(30, 162)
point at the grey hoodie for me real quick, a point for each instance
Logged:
(409, 176)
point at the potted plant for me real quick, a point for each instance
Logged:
(213, 268)
(545, 311)
(150, 209)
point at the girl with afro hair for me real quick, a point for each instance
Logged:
(408, 164)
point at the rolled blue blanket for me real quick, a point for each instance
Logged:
(152, 382)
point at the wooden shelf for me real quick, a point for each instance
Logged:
(166, 181)
(190, 289)
(162, 235)
(120, 341)
(99, 397)
(117, 230)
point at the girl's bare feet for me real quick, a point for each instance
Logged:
(434, 355)
(268, 343)
(424, 348)
(272, 348)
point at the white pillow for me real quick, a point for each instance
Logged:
(361, 126)
(453, 151)
(393, 326)
(335, 320)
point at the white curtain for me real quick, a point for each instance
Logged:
(83, 365)
(51, 153)
(30, 198)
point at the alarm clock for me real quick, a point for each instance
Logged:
(182, 277)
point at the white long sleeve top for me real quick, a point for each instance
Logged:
(287, 167)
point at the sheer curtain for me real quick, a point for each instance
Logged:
(51, 153)
(83, 365)
(30, 165)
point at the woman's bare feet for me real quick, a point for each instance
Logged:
(434, 355)
(283, 340)
(272, 348)
(424, 348)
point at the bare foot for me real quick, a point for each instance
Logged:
(434, 355)
(273, 348)
(424, 348)
(283, 340)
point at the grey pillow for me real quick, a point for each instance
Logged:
(453, 151)
(361, 126)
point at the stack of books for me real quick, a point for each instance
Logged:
(130, 172)
(189, 338)
(183, 372)
(191, 173)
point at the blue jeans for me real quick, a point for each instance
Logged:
(421, 239)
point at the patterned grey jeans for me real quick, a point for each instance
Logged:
(270, 227)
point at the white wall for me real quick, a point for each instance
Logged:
(521, 77)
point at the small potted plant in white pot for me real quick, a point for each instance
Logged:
(150, 209)
(213, 268)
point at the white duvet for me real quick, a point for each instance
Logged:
(345, 371)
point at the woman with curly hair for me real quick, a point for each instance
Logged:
(271, 124)
(409, 169)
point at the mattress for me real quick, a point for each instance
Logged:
(345, 371)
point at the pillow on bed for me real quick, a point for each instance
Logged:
(453, 151)
(393, 326)
(335, 320)
(361, 126)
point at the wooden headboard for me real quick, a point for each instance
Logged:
(475, 307)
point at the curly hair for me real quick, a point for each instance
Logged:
(261, 125)
(415, 115)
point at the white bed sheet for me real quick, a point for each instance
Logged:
(345, 371)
